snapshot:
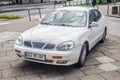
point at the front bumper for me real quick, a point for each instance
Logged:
(68, 57)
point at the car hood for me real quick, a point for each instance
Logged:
(52, 34)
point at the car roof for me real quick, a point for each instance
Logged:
(77, 8)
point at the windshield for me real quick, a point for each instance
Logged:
(66, 18)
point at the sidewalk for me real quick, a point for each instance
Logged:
(107, 10)
(103, 63)
(19, 25)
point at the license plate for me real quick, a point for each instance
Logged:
(34, 56)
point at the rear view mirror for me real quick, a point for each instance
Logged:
(94, 24)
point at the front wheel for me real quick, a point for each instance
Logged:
(82, 57)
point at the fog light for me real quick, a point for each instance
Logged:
(17, 51)
(57, 57)
(61, 62)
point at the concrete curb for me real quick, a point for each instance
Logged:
(114, 16)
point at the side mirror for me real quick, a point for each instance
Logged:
(94, 24)
(40, 20)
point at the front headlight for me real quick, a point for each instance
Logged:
(19, 41)
(65, 46)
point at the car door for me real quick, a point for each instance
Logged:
(94, 31)
(100, 23)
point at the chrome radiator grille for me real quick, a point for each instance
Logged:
(38, 45)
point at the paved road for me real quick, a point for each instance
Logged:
(23, 24)
(113, 26)
(103, 63)
(113, 23)
(17, 25)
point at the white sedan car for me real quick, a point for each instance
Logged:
(63, 37)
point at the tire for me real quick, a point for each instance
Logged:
(82, 57)
(104, 36)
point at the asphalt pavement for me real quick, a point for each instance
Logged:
(23, 24)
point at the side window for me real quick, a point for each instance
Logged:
(98, 14)
(92, 17)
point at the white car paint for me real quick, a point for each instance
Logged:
(56, 35)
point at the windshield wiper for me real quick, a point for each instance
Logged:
(63, 24)
(46, 23)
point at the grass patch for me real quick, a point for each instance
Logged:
(10, 17)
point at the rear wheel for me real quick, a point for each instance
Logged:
(104, 36)
(82, 57)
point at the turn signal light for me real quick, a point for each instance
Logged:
(57, 57)
(17, 51)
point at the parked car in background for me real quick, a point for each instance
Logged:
(4, 2)
(64, 37)
(59, 1)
